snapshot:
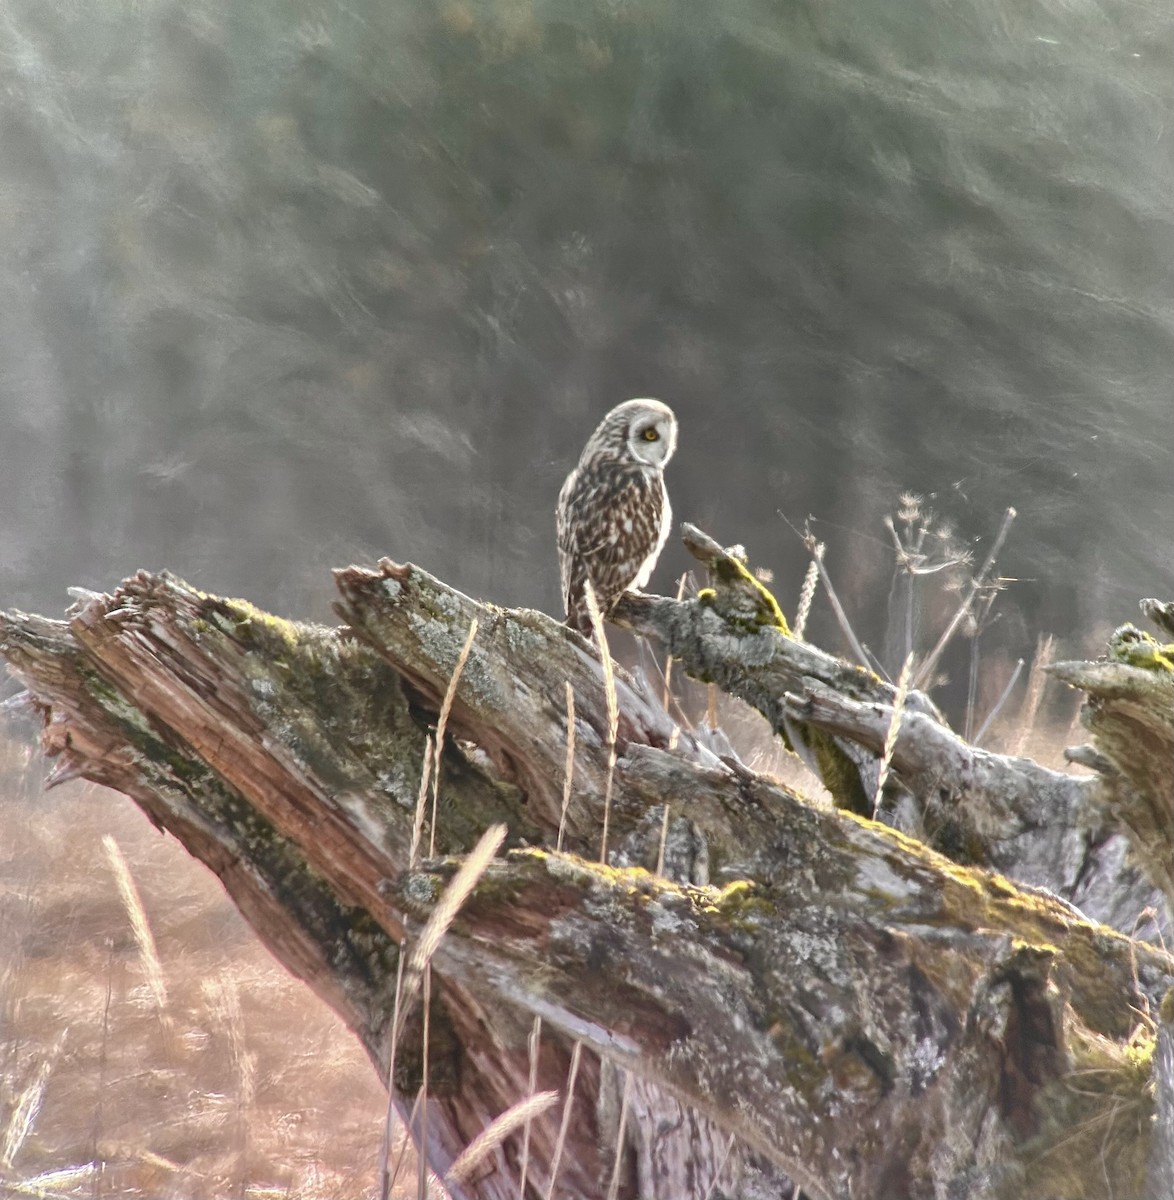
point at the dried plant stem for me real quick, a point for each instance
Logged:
(614, 1187)
(402, 1153)
(421, 799)
(422, 1137)
(533, 1045)
(1006, 692)
(389, 1115)
(927, 668)
(496, 1132)
(137, 914)
(463, 882)
(613, 711)
(103, 1050)
(569, 769)
(441, 726)
(27, 1106)
(894, 730)
(565, 1123)
(1036, 679)
(817, 550)
(806, 597)
(457, 892)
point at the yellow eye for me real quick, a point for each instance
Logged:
(650, 434)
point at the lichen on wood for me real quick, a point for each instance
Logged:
(866, 1015)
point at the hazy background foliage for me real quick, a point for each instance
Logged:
(286, 284)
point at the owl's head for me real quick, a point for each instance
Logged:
(642, 431)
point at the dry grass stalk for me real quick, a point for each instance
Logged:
(27, 1106)
(817, 550)
(893, 732)
(664, 837)
(496, 1132)
(103, 1049)
(389, 1115)
(613, 711)
(1036, 679)
(569, 769)
(422, 1138)
(137, 914)
(442, 725)
(533, 1044)
(565, 1123)
(927, 668)
(404, 1145)
(421, 798)
(443, 915)
(613, 1188)
(998, 706)
(721, 1166)
(46, 1185)
(455, 895)
(806, 597)
(417, 974)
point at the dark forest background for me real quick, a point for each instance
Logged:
(285, 285)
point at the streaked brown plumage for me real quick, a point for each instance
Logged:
(613, 510)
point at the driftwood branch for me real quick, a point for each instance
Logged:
(867, 1016)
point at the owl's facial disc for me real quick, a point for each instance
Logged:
(652, 439)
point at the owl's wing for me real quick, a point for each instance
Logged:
(609, 524)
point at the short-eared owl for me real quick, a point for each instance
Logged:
(613, 511)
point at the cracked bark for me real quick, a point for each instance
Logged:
(867, 1016)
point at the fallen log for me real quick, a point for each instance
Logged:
(863, 1012)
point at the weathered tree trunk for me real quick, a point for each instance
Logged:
(867, 1013)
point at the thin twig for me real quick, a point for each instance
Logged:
(442, 724)
(569, 769)
(927, 668)
(564, 1124)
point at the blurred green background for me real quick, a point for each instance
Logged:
(285, 285)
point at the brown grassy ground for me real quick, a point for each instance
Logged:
(240, 1084)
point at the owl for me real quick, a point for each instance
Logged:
(613, 510)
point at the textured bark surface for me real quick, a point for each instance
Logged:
(862, 1013)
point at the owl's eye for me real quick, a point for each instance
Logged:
(650, 434)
